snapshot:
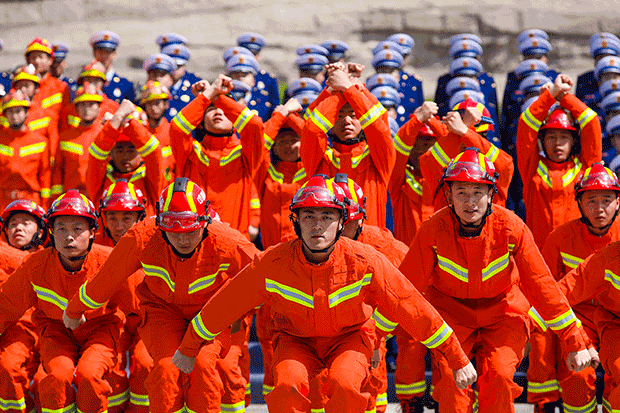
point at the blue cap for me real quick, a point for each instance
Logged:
(170, 38)
(240, 89)
(336, 49)
(531, 67)
(405, 41)
(387, 95)
(465, 66)
(527, 103)
(59, 51)
(535, 45)
(251, 41)
(604, 43)
(306, 98)
(304, 84)
(611, 102)
(312, 48)
(230, 52)
(613, 126)
(463, 95)
(178, 52)
(465, 48)
(381, 79)
(242, 63)
(394, 127)
(609, 86)
(387, 45)
(465, 36)
(533, 83)
(313, 62)
(462, 83)
(390, 58)
(608, 64)
(160, 61)
(105, 40)
(532, 33)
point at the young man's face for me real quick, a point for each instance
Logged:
(347, 125)
(119, 222)
(88, 110)
(125, 157)
(161, 76)
(95, 81)
(558, 144)
(156, 109)
(58, 67)
(72, 235)
(27, 86)
(245, 77)
(105, 56)
(319, 226)
(615, 142)
(16, 116)
(185, 242)
(286, 146)
(470, 201)
(604, 77)
(599, 207)
(215, 121)
(40, 60)
(21, 228)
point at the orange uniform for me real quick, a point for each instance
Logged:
(89, 352)
(162, 133)
(53, 95)
(411, 196)
(42, 121)
(476, 283)
(565, 248)
(70, 119)
(223, 165)
(449, 145)
(25, 171)
(148, 176)
(369, 163)
(171, 294)
(548, 187)
(323, 316)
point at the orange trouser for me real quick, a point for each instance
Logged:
(410, 375)
(19, 359)
(264, 331)
(233, 369)
(298, 359)
(608, 325)
(89, 352)
(140, 364)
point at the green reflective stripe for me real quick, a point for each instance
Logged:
(183, 124)
(355, 161)
(67, 409)
(50, 296)
(74, 120)
(588, 408)
(585, 117)
(562, 321)
(348, 292)
(275, 175)
(544, 174)
(495, 267)
(51, 100)
(159, 272)
(289, 293)
(149, 147)
(332, 157)
(46, 192)
(139, 399)
(166, 151)
(613, 279)
(254, 203)
(202, 157)
(243, 119)
(372, 115)
(86, 300)
(208, 280)
(413, 388)
(236, 407)
(299, 175)
(538, 319)
(401, 146)
(439, 337)
(321, 121)
(317, 410)
(39, 123)
(570, 260)
(453, 268)
(268, 141)
(6, 150)
(267, 389)
(32, 149)
(236, 153)
(138, 174)
(248, 388)
(382, 399)
(118, 399)
(72, 147)
(382, 322)
(57, 189)
(572, 173)
(8, 404)
(551, 385)
(439, 155)
(493, 153)
(412, 182)
(201, 330)
(530, 120)
(511, 247)
(97, 152)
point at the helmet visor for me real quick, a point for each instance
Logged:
(319, 194)
(181, 221)
(466, 171)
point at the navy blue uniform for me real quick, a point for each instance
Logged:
(6, 78)
(411, 95)
(265, 95)
(73, 86)
(181, 93)
(119, 88)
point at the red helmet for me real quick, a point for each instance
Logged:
(123, 196)
(356, 201)
(319, 192)
(597, 177)
(470, 166)
(24, 205)
(182, 207)
(72, 203)
(486, 123)
(558, 119)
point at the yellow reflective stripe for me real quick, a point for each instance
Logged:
(268, 141)
(439, 337)
(321, 121)
(57, 189)
(6, 150)
(32, 149)
(72, 147)
(207, 280)
(166, 151)
(453, 268)
(355, 161)
(118, 399)
(73, 120)
(318, 410)
(562, 321)
(493, 153)
(201, 330)
(46, 192)
(568, 177)
(50, 296)
(149, 147)
(189, 195)
(511, 247)
(538, 319)
(413, 388)
(159, 272)
(613, 279)
(236, 407)
(39, 123)
(348, 292)
(607, 405)
(570, 260)
(530, 120)
(275, 175)
(401, 146)
(96, 151)
(67, 409)
(299, 175)
(86, 300)
(202, 157)
(588, 408)
(495, 267)
(9, 404)
(183, 123)
(372, 115)
(544, 174)
(382, 399)
(138, 174)
(412, 182)
(585, 117)
(138, 399)
(439, 155)
(551, 385)
(382, 322)
(52, 100)
(332, 157)
(371, 411)
(289, 293)
(242, 120)
(4, 122)
(236, 153)
(267, 389)
(254, 203)
(248, 388)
